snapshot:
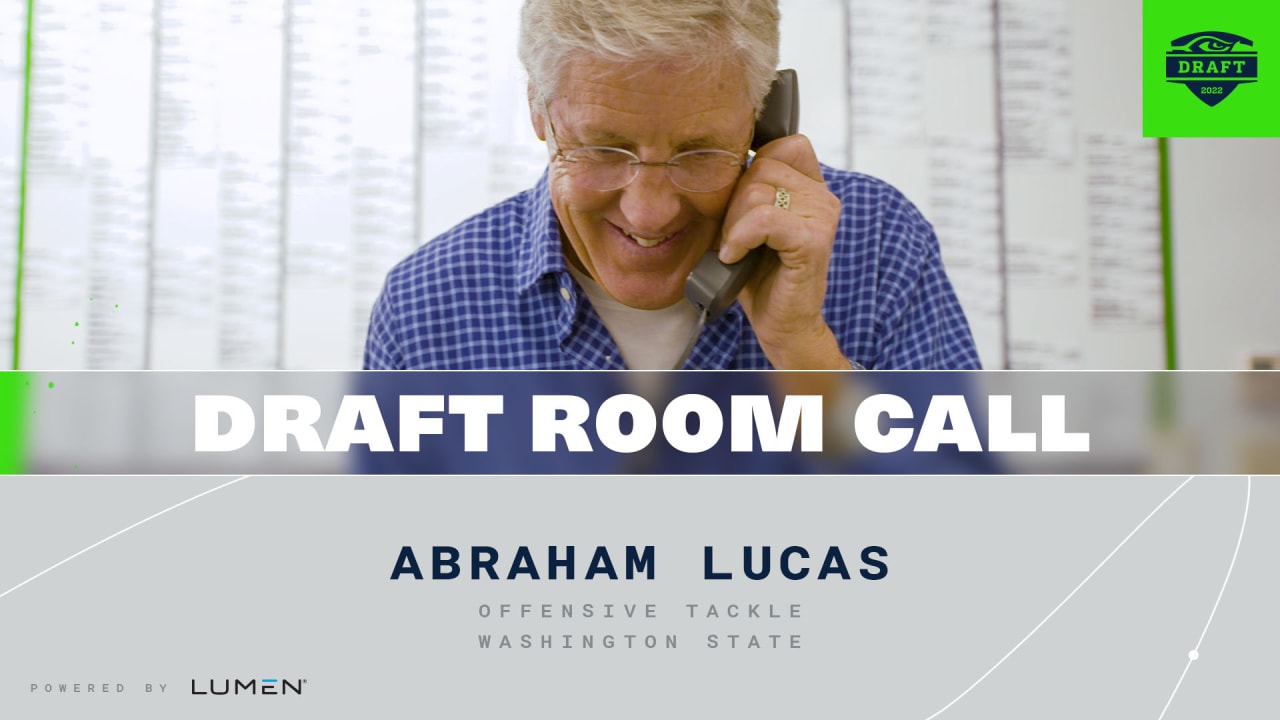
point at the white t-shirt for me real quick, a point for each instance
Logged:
(648, 339)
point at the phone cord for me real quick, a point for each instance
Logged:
(693, 340)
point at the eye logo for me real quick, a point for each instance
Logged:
(1211, 64)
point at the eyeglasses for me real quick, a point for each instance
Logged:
(608, 168)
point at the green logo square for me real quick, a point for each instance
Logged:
(1210, 69)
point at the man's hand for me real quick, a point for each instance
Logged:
(784, 299)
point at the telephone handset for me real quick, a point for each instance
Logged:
(713, 285)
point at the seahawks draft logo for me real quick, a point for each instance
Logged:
(1210, 64)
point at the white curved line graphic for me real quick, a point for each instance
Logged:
(1195, 652)
(121, 532)
(1064, 602)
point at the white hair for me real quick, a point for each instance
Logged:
(708, 32)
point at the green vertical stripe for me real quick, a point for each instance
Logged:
(14, 419)
(22, 182)
(1166, 250)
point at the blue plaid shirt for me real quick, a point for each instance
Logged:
(495, 293)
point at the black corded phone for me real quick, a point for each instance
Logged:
(713, 285)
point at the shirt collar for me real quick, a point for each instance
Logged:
(541, 248)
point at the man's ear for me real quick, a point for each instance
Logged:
(536, 117)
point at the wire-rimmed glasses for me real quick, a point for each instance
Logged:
(609, 168)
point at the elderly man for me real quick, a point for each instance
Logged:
(647, 108)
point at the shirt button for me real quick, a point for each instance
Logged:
(564, 293)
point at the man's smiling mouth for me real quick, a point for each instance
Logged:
(645, 242)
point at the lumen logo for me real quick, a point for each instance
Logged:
(1211, 64)
(236, 686)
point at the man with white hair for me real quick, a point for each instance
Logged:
(647, 108)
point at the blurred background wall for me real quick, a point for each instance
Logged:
(221, 184)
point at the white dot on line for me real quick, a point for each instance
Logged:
(1194, 654)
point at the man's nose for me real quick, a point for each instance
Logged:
(651, 202)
